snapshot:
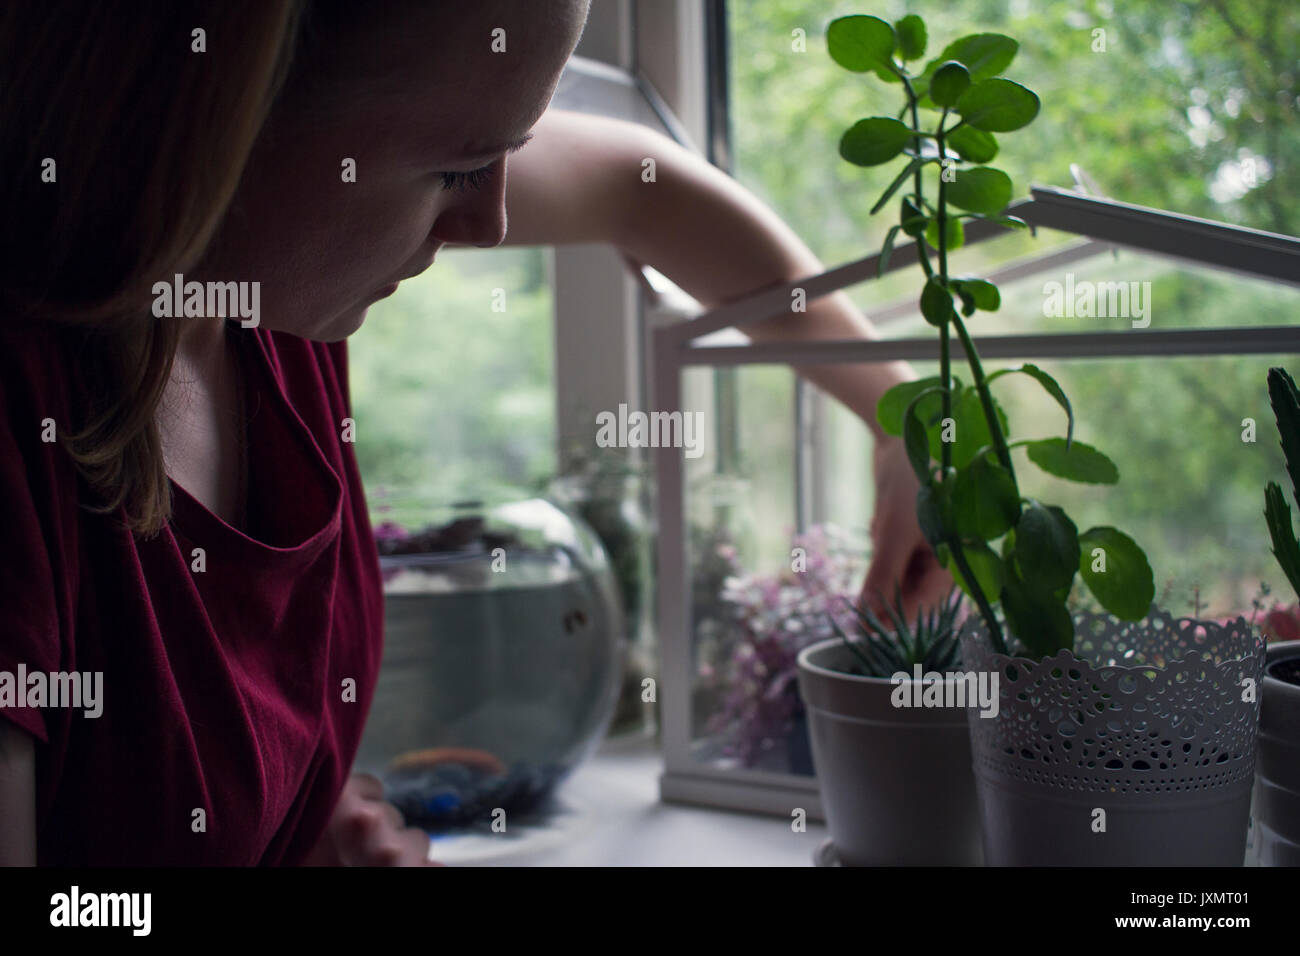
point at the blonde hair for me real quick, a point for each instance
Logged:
(149, 138)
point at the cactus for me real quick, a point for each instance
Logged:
(1285, 399)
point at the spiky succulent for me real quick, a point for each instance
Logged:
(1285, 399)
(884, 649)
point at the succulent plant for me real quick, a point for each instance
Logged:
(1285, 398)
(883, 650)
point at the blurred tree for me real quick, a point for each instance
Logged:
(1186, 105)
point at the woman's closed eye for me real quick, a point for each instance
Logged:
(474, 179)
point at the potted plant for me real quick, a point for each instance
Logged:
(1277, 780)
(1102, 715)
(895, 781)
(765, 621)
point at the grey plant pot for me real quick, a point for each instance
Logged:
(1139, 750)
(896, 784)
(1277, 770)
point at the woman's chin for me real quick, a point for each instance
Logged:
(340, 326)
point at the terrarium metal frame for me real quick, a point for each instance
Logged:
(1104, 224)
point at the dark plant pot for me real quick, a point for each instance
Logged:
(896, 784)
(1277, 771)
(1137, 749)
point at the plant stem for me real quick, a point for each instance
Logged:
(986, 400)
(954, 545)
(945, 364)
(982, 602)
(945, 361)
(916, 145)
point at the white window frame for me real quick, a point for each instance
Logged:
(642, 60)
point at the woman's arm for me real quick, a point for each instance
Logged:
(580, 180)
(17, 796)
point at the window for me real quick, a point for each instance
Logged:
(452, 378)
(474, 378)
(1187, 107)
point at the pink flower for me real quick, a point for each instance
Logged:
(390, 531)
(1282, 623)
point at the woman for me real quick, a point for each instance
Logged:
(182, 510)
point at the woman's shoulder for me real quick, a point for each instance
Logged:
(33, 353)
(37, 377)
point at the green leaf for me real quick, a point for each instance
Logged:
(912, 219)
(986, 567)
(1277, 514)
(911, 37)
(980, 189)
(967, 300)
(983, 293)
(887, 249)
(1073, 462)
(901, 178)
(956, 233)
(873, 141)
(983, 54)
(893, 404)
(1126, 587)
(860, 43)
(1039, 619)
(1050, 384)
(916, 440)
(1285, 399)
(998, 105)
(972, 430)
(985, 501)
(949, 82)
(1047, 547)
(930, 513)
(936, 302)
(971, 144)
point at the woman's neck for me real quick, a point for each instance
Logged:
(201, 421)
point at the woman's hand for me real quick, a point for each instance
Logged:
(899, 552)
(365, 830)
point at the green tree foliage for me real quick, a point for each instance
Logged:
(1188, 104)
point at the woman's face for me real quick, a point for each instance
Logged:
(324, 247)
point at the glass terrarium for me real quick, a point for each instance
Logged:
(1194, 472)
(503, 656)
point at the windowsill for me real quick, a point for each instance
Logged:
(615, 818)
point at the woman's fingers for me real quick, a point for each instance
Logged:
(366, 786)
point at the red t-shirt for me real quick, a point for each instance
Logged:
(224, 690)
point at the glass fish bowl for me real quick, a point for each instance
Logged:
(504, 651)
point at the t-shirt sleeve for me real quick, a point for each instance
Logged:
(30, 631)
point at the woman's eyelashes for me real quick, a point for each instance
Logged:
(474, 179)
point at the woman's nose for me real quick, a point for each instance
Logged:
(476, 217)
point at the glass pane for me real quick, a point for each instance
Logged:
(739, 518)
(452, 378)
(1191, 493)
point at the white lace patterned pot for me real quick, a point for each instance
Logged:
(895, 783)
(1277, 777)
(1136, 749)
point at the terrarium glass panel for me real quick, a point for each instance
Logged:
(1191, 492)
